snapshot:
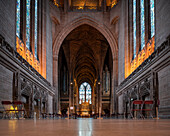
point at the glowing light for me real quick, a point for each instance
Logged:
(26, 54)
(80, 7)
(12, 109)
(55, 3)
(114, 2)
(143, 55)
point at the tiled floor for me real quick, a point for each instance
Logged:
(85, 127)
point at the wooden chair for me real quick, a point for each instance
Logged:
(19, 109)
(9, 110)
(137, 108)
(148, 107)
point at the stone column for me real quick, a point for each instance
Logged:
(41, 106)
(154, 90)
(55, 83)
(97, 98)
(32, 101)
(100, 96)
(69, 4)
(152, 84)
(93, 98)
(46, 104)
(121, 42)
(30, 106)
(70, 87)
(17, 86)
(138, 92)
(128, 34)
(104, 5)
(77, 97)
(65, 5)
(114, 83)
(43, 35)
(72, 94)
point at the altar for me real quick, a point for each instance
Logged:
(85, 109)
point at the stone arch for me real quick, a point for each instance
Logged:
(89, 21)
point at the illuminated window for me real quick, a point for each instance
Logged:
(152, 14)
(134, 28)
(18, 19)
(36, 24)
(142, 20)
(28, 24)
(85, 93)
(113, 3)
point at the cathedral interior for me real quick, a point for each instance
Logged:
(85, 60)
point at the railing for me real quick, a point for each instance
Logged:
(156, 53)
(143, 55)
(5, 46)
(27, 55)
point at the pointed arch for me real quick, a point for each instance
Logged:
(91, 22)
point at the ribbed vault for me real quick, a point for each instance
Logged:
(83, 49)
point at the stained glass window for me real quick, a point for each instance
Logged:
(36, 24)
(142, 20)
(81, 94)
(152, 14)
(18, 19)
(28, 4)
(88, 94)
(85, 89)
(134, 28)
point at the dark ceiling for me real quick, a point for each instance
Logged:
(85, 49)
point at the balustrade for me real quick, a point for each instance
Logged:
(27, 55)
(143, 55)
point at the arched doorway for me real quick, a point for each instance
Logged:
(83, 56)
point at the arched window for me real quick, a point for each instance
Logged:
(134, 28)
(142, 20)
(19, 4)
(36, 28)
(142, 24)
(152, 14)
(85, 93)
(27, 24)
(18, 18)
(141, 31)
(28, 7)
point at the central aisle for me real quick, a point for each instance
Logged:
(84, 127)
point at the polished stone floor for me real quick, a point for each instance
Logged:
(85, 127)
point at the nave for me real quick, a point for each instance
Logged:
(85, 127)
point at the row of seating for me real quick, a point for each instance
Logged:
(142, 107)
(14, 109)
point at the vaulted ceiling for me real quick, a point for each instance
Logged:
(85, 50)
